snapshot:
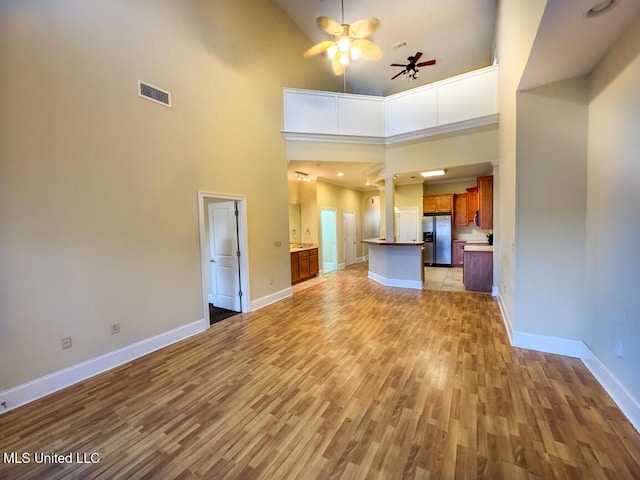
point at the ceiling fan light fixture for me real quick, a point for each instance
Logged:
(432, 173)
(355, 52)
(344, 44)
(349, 42)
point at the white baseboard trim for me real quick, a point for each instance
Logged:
(495, 291)
(508, 325)
(271, 298)
(627, 403)
(341, 266)
(361, 259)
(43, 386)
(544, 343)
(390, 282)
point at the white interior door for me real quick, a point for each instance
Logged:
(224, 261)
(349, 231)
(407, 226)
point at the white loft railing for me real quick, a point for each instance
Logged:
(457, 103)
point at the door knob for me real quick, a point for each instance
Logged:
(212, 261)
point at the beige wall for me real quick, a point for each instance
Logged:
(98, 187)
(551, 208)
(409, 196)
(449, 187)
(613, 216)
(518, 22)
(476, 145)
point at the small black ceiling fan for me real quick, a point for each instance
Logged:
(411, 69)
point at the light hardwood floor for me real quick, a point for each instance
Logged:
(346, 379)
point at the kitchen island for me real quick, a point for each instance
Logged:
(396, 264)
(478, 267)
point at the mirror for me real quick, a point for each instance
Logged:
(294, 223)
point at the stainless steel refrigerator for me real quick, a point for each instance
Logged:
(436, 231)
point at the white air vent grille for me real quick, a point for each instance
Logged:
(399, 45)
(154, 94)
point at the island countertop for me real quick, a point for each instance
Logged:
(382, 241)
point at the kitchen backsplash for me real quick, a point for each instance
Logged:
(471, 233)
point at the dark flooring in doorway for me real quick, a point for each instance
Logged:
(217, 314)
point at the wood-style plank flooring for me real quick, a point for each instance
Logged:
(346, 379)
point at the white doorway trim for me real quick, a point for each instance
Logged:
(242, 242)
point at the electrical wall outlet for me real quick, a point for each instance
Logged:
(66, 343)
(619, 348)
(115, 328)
(271, 281)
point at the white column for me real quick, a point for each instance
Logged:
(389, 207)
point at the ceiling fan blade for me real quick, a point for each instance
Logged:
(426, 64)
(318, 48)
(336, 67)
(417, 56)
(363, 28)
(330, 26)
(396, 76)
(370, 51)
(398, 65)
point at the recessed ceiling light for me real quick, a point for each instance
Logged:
(432, 173)
(601, 8)
(341, 174)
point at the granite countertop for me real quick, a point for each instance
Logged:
(383, 241)
(478, 247)
(300, 247)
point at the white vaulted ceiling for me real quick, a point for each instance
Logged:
(458, 34)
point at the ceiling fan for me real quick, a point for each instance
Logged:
(349, 42)
(411, 69)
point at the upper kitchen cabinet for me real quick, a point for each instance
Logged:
(460, 216)
(485, 202)
(437, 203)
(472, 203)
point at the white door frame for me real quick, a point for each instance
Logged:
(242, 242)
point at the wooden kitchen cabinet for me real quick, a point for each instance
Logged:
(472, 203)
(295, 267)
(313, 262)
(304, 265)
(460, 217)
(478, 271)
(485, 202)
(437, 203)
(458, 253)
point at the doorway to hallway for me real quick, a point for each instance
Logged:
(328, 240)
